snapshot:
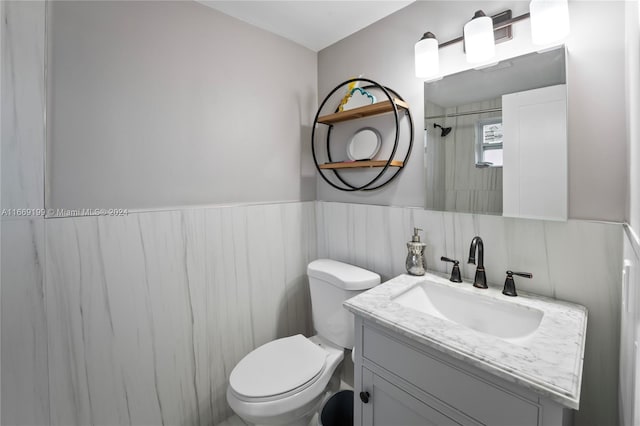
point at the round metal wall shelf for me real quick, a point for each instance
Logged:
(394, 104)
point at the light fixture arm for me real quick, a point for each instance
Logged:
(496, 27)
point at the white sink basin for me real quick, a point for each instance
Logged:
(503, 319)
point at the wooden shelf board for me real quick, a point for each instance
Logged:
(361, 164)
(363, 111)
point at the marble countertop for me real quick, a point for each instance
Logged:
(549, 361)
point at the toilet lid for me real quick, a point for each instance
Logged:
(277, 367)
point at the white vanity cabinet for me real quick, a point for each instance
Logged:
(407, 383)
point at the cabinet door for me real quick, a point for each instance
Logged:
(390, 405)
(535, 153)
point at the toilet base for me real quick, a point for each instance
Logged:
(300, 417)
(311, 418)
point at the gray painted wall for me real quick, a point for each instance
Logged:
(157, 104)
(597, 148)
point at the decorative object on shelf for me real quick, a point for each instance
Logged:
(359, 97)
(361, 112)
(549, 26)
(352, 85)
(366, 143)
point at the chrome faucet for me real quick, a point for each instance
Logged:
(480, 280)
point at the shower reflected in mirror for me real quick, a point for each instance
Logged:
(444, 131)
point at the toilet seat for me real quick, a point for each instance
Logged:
(292, 404)
(278, 369)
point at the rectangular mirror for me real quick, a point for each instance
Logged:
(476, 162)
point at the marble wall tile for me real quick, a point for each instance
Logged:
(577, 261)
(23, 104)
(149, 313)
(25, 392)
(630, 313)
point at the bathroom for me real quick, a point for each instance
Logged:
(195, 128)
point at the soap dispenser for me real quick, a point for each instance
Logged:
(416, 263)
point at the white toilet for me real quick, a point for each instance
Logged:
(284, 381)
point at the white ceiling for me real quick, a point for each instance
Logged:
(313, 24)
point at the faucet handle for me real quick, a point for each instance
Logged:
(510, 284)
(455, 272)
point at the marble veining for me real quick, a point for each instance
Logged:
(577, 261)
(23, 105)
(118, 302)
(148, 313)
(549, 361)
(25, 386)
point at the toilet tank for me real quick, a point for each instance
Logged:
(331, 283)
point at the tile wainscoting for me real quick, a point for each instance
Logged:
(577, 261)
(25, 387)
(147, 314)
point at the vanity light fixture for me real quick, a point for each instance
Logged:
(480, 46)
(427, 58)
(549, 25)
(549, 20)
